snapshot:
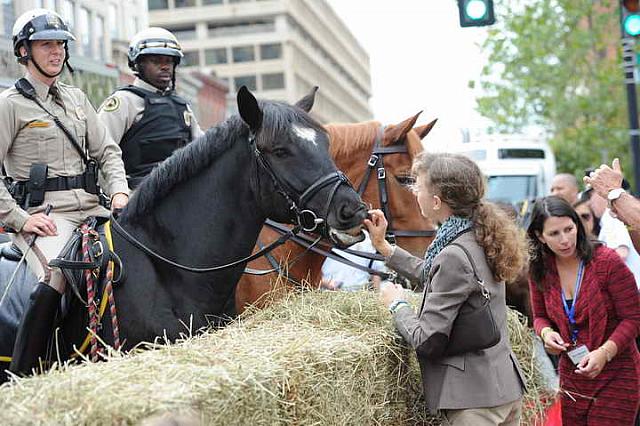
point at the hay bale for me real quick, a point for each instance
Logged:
(316, 358)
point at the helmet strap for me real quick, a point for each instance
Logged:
(173, 76)
(66, 57)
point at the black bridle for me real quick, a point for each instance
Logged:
(306, 219)
(376, 161)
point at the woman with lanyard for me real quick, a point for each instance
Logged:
(586, 309)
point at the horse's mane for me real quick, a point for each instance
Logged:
(358, 138)
(348, 139)
(187, 162)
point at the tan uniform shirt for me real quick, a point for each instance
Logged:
(123, 109)
(29, 135)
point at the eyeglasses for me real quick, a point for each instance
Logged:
(585, 216)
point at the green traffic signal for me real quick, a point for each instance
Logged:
(475, 9)
(630, 17)
(632, 25)
(476, 13)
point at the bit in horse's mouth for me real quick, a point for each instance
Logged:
(347, 237)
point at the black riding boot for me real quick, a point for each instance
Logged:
(35, 329)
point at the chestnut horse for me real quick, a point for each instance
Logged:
(352, 147)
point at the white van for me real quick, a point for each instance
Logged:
(517, 167)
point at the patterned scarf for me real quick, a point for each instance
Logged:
(447, 232)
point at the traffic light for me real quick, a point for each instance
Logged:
(630, 17)
(477, 13)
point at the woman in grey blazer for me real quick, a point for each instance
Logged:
(482, 387)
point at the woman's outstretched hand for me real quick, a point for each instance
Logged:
(390, 292)
(377, 226)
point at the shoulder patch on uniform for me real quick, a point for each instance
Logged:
(111, 104)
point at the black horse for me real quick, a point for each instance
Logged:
(205, 206)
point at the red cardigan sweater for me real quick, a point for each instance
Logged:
(608, 306)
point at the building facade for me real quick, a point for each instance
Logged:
(102, 27)
(279, 49)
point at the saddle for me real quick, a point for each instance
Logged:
(71, 261)
(74, 259)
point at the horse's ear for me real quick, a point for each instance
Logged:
(306, 103)
(249, 109)
(398, 132)
(424, 130)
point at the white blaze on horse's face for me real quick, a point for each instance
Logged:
(306, 133)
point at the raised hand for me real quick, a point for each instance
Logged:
(605, 178)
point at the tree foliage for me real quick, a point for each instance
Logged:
(557, 64)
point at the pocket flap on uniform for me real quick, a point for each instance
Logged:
(38, 123)
(456, 361)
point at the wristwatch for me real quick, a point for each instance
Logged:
(393, 307)
(614, 194)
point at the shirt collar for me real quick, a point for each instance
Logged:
(42, 90)
(138, 82)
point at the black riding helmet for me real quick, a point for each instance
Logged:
(40, 24)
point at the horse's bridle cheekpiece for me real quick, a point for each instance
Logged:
(376, 161)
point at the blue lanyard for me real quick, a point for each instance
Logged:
(571, 313)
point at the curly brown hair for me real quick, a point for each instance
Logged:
(459, 183)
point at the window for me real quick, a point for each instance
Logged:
(85, 33)
(208, 2)
(66, 10)
(131, 27)
(511, 189)
(243, 54)
(245, 80)
(273, 81)
(519, 153)
(238, 28)
(185, 3)
(8, 16)
(270, 51)
(215, 56)
(113, 21)
(184, 33)
(158, 4)
(99, 31)
(190, 59)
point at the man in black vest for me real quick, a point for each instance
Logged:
(147, 118)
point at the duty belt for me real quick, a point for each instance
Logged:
(59, 183)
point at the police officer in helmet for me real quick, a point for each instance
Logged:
(147, 118)
(44, 168)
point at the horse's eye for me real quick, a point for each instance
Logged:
(279, 152)
(406, 180)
